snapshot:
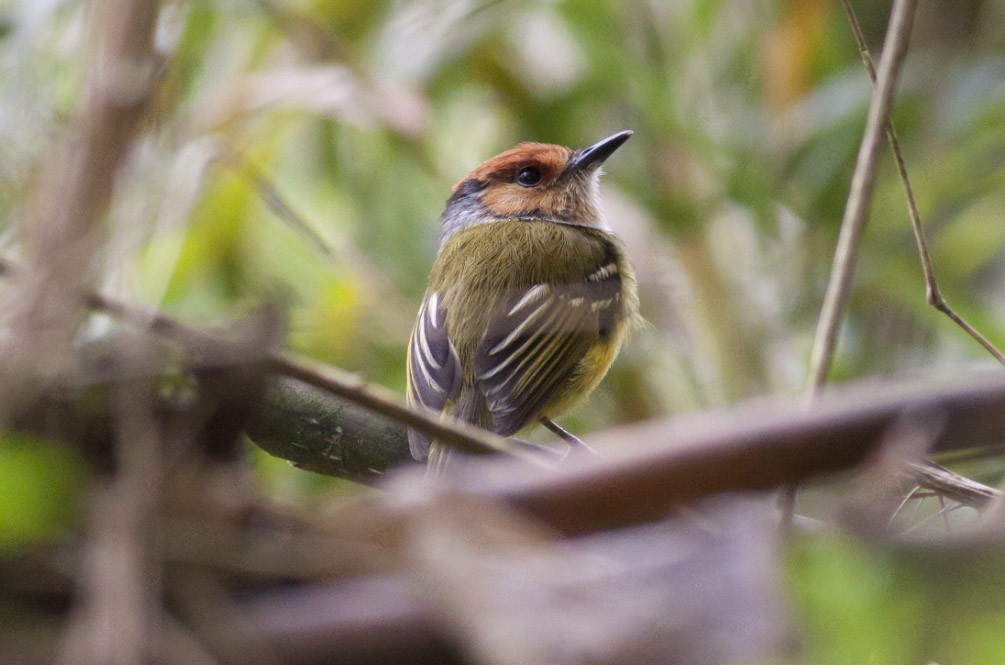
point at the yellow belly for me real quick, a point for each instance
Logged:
(590, 371)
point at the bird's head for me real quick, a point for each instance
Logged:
(532, 181)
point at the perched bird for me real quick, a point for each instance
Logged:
(529, 298)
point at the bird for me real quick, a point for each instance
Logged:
(529, 298)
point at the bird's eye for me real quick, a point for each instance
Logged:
(529, 177)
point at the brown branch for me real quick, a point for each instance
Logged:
(860, 197)
(757, 446)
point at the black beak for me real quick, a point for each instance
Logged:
(595, 155)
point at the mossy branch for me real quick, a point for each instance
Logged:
(320, 432)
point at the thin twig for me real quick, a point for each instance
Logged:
(860, 197)
(567, 436)
(943, 512)
(900, 506)
(378, 399)
(269, 193)
(942, 505)
(932, 293)
(856, 211)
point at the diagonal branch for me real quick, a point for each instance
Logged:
(349, 386)
(385, 402)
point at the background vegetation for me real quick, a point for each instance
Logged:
(354, 118)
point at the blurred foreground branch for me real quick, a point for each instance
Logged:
(62, 229)
(757, 446)
(657, 464)
(63, 223)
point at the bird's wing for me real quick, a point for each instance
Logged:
(536, 338)
(433, 368)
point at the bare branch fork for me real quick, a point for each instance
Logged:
(932, 293)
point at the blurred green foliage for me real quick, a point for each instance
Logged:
(362, 114)
(41, 492)
(854, 603)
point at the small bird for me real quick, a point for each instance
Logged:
(529, 298)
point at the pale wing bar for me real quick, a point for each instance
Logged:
(434, 370)
(535, 341)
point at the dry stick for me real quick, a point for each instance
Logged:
(951, 485)
(754, 446)
(860, 197)
(349, 386)
(932, 293)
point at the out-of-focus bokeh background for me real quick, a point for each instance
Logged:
(354, 118)
(361, 115)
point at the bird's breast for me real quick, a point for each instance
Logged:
(482, 266)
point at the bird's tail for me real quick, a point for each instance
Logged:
(436, 463)
(442, 455)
